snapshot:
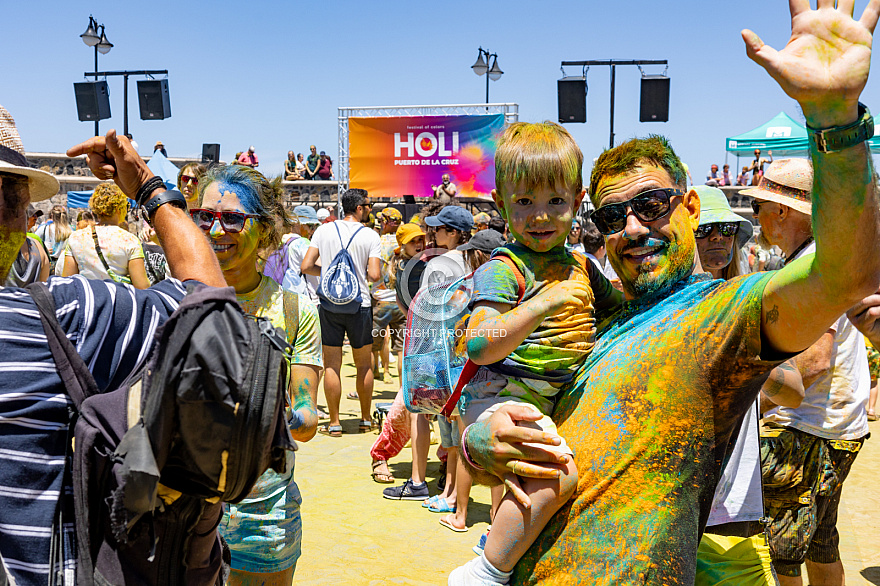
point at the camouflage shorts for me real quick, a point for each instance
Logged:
(874, 362)
(803, 477)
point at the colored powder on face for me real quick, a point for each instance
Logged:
(11, 242)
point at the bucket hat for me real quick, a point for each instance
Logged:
(788, 182)
(42, 185)
(715, 208)
(306, 215)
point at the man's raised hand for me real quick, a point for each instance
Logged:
(825, 64)
(112, 157)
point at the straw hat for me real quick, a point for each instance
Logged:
(714, 208)
(788, 182)
(41, 185)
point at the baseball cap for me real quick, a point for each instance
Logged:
(390, 214)
(453, 217)
(485, 240)
(482, 218)
(306, 215)
(405, 233)
(322, 214)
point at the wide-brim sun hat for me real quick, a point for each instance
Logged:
(715, 208)
(788, 182)
(41, 185)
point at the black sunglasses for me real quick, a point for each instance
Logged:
(231, 222)
(724, 228)
(756, 205)
(648, 206)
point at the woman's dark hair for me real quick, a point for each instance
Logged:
(498, 224)
(474, 258)
(591, 238)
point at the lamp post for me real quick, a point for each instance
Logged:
(95, 37)
(482, 67)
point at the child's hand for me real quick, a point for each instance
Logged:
(565, 293)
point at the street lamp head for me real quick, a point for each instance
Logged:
(90, 37)
(104, 45)
(495, 73)
(480, 67)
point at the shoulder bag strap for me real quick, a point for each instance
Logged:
(98, 250)
(350, 240)
(470, 367)
(74, 372)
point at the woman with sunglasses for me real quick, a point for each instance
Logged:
(243, 216)
(188, 183)
(106, 250)
(721, 235)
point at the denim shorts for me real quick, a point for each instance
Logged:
(450, 436)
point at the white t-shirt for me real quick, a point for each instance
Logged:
(364, 247)
(834, 405)
(446, 267)
(738, 494)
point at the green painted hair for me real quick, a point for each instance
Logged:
(623, 158)
(537, 155)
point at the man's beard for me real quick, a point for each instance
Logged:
(678, 258)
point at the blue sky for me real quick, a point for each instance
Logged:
(273, 73)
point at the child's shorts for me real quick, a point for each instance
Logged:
(487, 406)
(450, 435)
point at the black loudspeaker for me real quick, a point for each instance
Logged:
(572, 99)
(654, 104)
(210, 153)
(153, 99)
(92, 100)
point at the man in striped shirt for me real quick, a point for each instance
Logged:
(111, 326)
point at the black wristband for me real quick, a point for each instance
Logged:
(147, 189)
(171, 196)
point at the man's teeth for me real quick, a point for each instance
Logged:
(221, 247)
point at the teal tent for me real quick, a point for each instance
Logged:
(781, 134)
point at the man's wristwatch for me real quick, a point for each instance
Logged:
(838, 138)
(171, 196)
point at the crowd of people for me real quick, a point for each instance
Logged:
(648, 394)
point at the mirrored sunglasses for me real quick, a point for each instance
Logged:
(648, 206)
(185, 179)
(724, 228)
(231, 222)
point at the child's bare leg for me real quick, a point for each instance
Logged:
(497, 494)
(515, 528)
(462, 495)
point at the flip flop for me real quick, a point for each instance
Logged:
(430, 501)
(449, 525)
(381, 477)
(331, 430)
(352, 396)
(441, 506)
(365, 426)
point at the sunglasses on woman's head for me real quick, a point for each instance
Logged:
(724, 228)
(231, 222)
(648, 206)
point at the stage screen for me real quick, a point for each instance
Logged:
(406, 155)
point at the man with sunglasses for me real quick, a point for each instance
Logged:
(654, 412)
(828, 420)
(110, 324)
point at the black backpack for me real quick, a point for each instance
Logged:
(155, 459)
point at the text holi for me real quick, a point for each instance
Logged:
(425, 144)
(426, 162)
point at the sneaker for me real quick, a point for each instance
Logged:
(478, 548)
(407, 492)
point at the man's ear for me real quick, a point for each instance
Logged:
(691, 202)
(578, 200)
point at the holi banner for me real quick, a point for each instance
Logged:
(406, 155)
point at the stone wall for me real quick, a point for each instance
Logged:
(74, 175)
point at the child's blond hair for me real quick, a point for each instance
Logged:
(532, 155)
